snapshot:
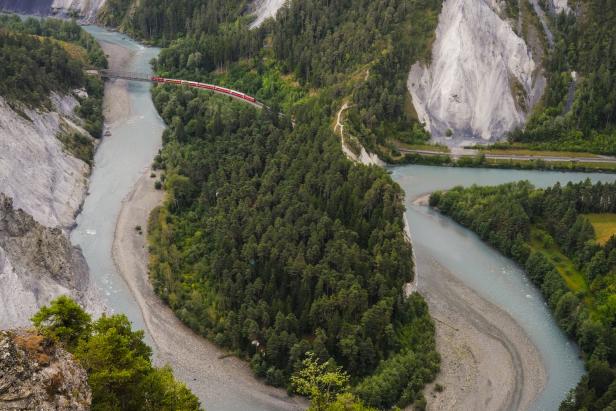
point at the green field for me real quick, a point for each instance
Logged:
(604, 225)
(542, 241)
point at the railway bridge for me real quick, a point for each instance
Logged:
(133, 76)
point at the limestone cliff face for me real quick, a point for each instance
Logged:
(37, 264)
(265, 9)
(35, 374)
(35, 169)
(482, 79)
(87, 9)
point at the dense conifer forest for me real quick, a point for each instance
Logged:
(549, 232)
(271, 242)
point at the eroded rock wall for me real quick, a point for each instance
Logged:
(87, 9)
(35, 374)
(265, 9)
(481, 80)
(38, 264)
(35, 170)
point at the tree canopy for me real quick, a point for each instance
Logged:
(118, 362)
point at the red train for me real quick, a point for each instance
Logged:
(205, 86)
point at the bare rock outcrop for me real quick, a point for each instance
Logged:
(86, 9)
(38, 264)
(265, 9)
(35, 374)
(35, 170)
(482, 79)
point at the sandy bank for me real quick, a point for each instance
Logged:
(226, 383)
(116, 105)
(488, 361)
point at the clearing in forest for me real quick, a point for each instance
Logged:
(542, 241)
(604, 225)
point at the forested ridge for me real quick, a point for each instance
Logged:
(549, 233)
(40, 56)
(586, 120)
(271, 243)
(361, 48)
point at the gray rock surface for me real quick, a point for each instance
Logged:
(481, 80)
(35, 170)
(38, 264)
(84, 8)
(35, 374)
(265, 9)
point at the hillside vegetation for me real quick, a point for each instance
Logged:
(273, 244)
(270, 242)
(40, 56)
(585, 120)
(117, 361)
(548, 232)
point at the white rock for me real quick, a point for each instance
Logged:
(265, 9)
(44, 180)
(87, 8)
(467, 87)
(560, 6)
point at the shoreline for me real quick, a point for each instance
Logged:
(472, 336)
(220, 381)
(204, 367)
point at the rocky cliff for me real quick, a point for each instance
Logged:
(35, 374)
(482, 79)
(264, 9)
(85, 8)
(35, 169)
(37, 264)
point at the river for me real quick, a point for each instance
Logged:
(121, 159)
(486, 271)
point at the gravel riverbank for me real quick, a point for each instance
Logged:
(221, 382)
(488, 361)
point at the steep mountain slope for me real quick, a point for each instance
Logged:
(36, 265)
(578, 111)
(482, 77)
(44, 155)
(83, 8)
(35, 170)
(265, 9)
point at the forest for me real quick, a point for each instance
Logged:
(549, 233)
(361, 49)
(273, 244)
(585, 120)
(41, 56)
(116, 359)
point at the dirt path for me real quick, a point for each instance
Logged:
(222, 383)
